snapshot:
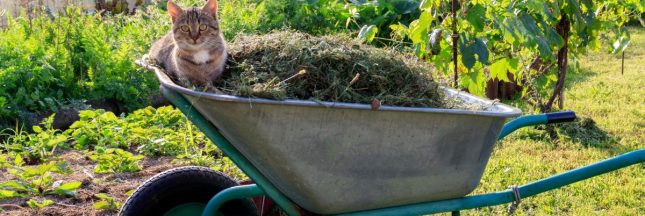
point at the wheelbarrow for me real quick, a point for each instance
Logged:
(330, 158)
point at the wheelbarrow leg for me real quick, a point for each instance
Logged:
(237, 192)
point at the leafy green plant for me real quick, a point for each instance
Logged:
(106, 202)
(531, 40)
(39, 205)
(114, 160)
(378, 15)
(38, 180)
(312, 16)
(4, 161)
(153, 132)
(48, 61)
(99, 128)
(8, 194)
(38, 145)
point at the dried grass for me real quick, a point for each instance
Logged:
(292, 65)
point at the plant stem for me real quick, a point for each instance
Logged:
(563, 29)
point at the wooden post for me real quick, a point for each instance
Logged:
(622, 67)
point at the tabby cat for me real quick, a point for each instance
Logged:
(194, 49)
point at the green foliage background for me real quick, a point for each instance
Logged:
(48, 62)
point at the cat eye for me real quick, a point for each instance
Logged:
(202, 27)
(185, 28)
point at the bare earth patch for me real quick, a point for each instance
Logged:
(115, 185)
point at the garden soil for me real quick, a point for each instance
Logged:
(115, 185)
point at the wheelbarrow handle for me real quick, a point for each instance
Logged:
(538, 119)
(559, 117)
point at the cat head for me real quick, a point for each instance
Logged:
(195, 28)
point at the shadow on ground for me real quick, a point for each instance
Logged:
(583, 131)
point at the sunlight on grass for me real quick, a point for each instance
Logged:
(616, 103)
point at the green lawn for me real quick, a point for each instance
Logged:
(617, 104)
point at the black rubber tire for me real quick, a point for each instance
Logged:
(177, 186)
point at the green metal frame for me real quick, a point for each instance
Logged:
(225, 146)
(264, 187)
(523, 121)
(238, 192)
(506, 196)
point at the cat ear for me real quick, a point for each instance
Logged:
(174, 10)
(211, 7)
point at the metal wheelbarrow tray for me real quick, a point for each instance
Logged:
(341, 157)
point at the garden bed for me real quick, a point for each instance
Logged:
(116, 186)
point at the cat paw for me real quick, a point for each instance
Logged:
(149, 60)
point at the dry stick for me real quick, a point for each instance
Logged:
(300, 73)
(354, 80)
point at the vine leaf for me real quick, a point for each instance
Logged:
(368, 33)
(536, 6)
(477, 16)
(479, 47)
(469, 48)
(500, 68)
(426, 5)
(419, 28)
(475, 82)
(468, 58)
(535, 35)
(554, 38)
(399, 29)
(622, 41)
(402, 6)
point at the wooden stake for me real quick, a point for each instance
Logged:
(622, 68)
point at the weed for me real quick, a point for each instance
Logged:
(114, 160)
(107, 202)
(4, 161)
(38, 146)
(39, 205)
(39, 181)
(99, 128)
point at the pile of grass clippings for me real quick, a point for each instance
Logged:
(292, 65)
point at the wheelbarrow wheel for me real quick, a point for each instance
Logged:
(184, 191)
